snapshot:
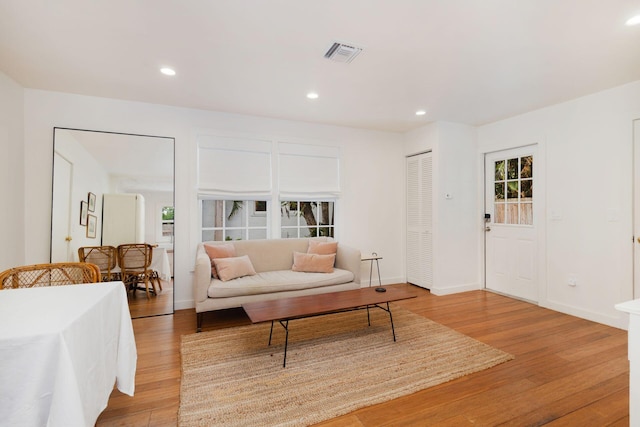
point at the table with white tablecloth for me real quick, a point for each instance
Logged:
(62, 348)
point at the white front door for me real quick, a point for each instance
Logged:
(511, 245)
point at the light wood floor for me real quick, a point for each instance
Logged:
(162, 303)
(567, 371)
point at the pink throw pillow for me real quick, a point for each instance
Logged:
(322, 248)
(225, 250)
(232, 268)
(313, 263)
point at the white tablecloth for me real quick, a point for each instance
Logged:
(160, 263)
(62, 348)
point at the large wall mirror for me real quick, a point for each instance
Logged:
(111, 189)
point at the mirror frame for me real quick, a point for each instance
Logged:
(169, 139)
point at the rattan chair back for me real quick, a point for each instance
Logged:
(62, 273)
(134, 260)
(105, 257)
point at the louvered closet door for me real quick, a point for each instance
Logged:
(420, 220)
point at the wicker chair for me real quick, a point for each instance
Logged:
(134, 260)
(61, 273)
(105, 257)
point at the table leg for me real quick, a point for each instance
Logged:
(271, 332)
(393, 330)
(286, 342)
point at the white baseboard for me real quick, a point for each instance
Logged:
(455, 289)
(620, 321)
(183, 305)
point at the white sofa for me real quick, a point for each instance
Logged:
(272, 260)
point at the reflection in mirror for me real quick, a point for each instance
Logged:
(111, 189)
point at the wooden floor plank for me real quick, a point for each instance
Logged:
(567, 371)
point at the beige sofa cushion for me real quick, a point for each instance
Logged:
(313, 263)
(276, 281)
(224, 250)
(233, 267)
(322, 248)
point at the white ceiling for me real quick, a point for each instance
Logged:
(467, 61)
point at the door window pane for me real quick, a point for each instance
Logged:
(526, 213)
(499, 191)
(526, 167)
(512, 169)
(526, 189)
(499, 213)
(499, 170)
(512, 189)
(512, 213)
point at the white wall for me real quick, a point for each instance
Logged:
(370, 215)
(12, 171)
(456, 219)
(587, 146)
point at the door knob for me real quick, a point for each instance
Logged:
(638, 239)
(487, 228)
(68, 239)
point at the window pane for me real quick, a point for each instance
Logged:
(167, 229)
(306, 232)
(289, 233)
(499, 191)
(258, 234)
(512, 169)
(325, 213)
(512, 213)
(499, 170)
(526, 189)
(498, 213)
(212, 213)
(512, 189)
(526, 213)
(308, 213)
(326, 231)
(208, 235)
(234, 212)
(526, 167)
(234, 235)
(167, 213)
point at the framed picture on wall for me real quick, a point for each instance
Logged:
(92, 202)
(92, 225)
(84, 210)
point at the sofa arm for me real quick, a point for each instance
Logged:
(348, 258)
(202, 275)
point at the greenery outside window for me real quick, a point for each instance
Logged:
(234, 219)
(306, 218)
(167, 219)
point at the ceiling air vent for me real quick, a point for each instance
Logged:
(341, 52)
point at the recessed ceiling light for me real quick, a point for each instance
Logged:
(420, 113)
(168, 71)
(312, 95)
(635, 20)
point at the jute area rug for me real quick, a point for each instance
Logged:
(335, 365)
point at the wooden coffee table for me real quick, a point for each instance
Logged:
(286, 309)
